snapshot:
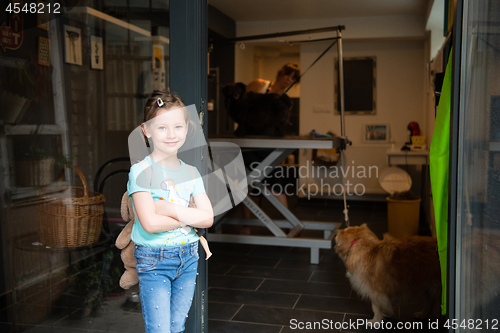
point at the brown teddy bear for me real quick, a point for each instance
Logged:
(125, 243)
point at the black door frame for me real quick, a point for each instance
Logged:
(453, 160)
(188, 77)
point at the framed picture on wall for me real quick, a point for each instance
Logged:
(158, 72)
(376, 133)
(73, 45)
(43, 51)
(360, 93)
(96, 53)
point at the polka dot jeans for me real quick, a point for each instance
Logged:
(167, 279)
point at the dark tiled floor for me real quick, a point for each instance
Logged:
(113, 317)
(254, 288)
(251, 288)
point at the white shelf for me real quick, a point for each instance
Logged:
(30, 129)
(35, 192)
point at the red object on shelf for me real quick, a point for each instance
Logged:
(414, 128)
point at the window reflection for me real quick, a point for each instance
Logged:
(479, 205)
(73, 101)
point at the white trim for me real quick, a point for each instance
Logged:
(30, 129)
(145, 39)
(111, 19)
(284, 143)
(494, 146)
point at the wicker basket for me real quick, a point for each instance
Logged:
(70, 217)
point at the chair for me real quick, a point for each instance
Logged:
(99, 186)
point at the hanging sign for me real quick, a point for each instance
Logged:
(11, 36)
(96, 53)
(158, 65)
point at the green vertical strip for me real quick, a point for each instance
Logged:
(439, 169)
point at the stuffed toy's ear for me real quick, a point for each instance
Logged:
(123, 238)
(124, 209)
(128, 215)
(191, 202)
(124, 242)
(129, 277)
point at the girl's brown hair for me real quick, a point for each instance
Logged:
(170, 100)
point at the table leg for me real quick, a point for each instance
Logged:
(266, 220)
(267, 165)
(282, 209)
(255, 178)
(314, 255)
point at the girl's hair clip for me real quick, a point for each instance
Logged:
(160, 102)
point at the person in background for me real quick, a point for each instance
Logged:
(287, 75)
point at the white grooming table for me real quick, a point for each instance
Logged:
(282, 148)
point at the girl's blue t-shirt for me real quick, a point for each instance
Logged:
(174, 185)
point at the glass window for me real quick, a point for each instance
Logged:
(72, 90)
(478, 225)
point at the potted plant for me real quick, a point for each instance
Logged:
(17, 87)
(35, 167)
(22, 83)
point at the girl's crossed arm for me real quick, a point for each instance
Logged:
(151, 220)
(202, 216)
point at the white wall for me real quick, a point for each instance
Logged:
(398, 45)
(400, 98)
(434, 58)
(435, 25)
(244, 63)
(437, 39)
(400, 87)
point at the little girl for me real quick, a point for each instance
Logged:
(166, 245)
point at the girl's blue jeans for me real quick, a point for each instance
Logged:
(167, 278)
